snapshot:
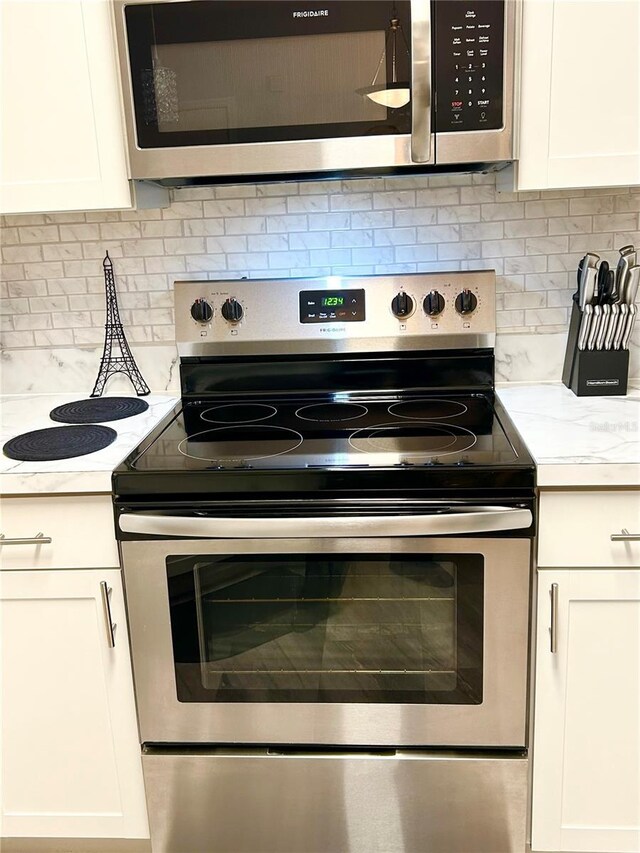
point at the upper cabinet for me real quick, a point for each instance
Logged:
(579, 95)
(63, 140)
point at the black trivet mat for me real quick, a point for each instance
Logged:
(44, 445)
(98, 410)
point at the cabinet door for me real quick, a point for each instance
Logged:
(580, 94)
(586, 742)
(63, 143)
(71, 764)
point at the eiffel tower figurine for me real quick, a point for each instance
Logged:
(114, 335)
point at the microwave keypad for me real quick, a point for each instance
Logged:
(469, 38)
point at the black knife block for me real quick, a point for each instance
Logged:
(593, 373)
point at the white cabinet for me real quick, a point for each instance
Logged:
(70, 755)
(579, 95)
(586, 754)
(77, 532)
(63, 139)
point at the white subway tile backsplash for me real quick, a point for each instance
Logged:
(351, 239)
(265, 206)
(394, 236)
(311, 239)
(44, 269)
(53, 286)
(184, 245)
(36, 287)
(62, 251)
(546, 245)
(546, 208)
(460, 213)
(590, 204)
(351, 201)
(526, 227)
(419, 216)
(19, 254)
(307, 204)
(394, 200)
(616, 222)
(203, 227)
(373, 219)
(39, 234)
(438, 234)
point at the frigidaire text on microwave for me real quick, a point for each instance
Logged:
(223, 88)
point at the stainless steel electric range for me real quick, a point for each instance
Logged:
(327, 551)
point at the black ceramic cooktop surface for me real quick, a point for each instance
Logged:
(349, 432)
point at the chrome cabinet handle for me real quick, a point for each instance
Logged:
(477, 519)
(553, 630)
(105, 591)
(38, 539)
(420, 80)
(625, 536)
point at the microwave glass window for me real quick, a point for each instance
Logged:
(339, 628)
(214, 72)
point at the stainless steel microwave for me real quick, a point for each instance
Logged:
(248, 88)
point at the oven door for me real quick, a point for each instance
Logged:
(372, 641)
(221, 87)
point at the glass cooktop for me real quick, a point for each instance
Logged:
(322, 433)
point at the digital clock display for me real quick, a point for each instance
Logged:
(332, 306)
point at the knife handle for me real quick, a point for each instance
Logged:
(584, 327)
(621, 325)
(602, 327)
(595, 325)
(611, 326)
(631, 319)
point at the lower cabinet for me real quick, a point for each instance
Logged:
(586, 739)
(70, 759)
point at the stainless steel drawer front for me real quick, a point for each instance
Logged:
(412, 802)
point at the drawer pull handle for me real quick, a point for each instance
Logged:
(105, 591)
(38, 539)
(625, 536)
(553, 630)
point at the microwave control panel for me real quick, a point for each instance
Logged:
(469, 64)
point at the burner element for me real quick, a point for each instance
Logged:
(43, 445)
(428, 409)
(331, 412)
(98, 410)
(239, 444)
(413, 440)
(238, 413)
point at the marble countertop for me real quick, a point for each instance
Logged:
(89, 473)
(577, 441)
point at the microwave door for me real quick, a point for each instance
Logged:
(421, 82)
(214, 87)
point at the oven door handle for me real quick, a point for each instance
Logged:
(476, 519)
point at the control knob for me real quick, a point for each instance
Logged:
(433, 303)
(466, 302)
(201, 311)
(402, 305)
(232, 310)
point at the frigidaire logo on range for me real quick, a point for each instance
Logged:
(310, 13)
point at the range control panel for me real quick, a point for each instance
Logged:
(417, 311)
(469, 73)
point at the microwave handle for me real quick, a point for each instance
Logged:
(475, 519)
(420, 81)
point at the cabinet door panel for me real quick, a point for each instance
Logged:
(580, 116)
(586, 765)
(70, 754)
(63, 137)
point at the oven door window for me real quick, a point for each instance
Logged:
(210, 72)
(328, 628)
